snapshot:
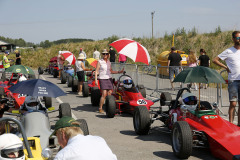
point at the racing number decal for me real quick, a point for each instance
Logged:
(141, 102)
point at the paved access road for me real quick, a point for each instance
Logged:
(119, 132)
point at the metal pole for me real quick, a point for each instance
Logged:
(152, 13)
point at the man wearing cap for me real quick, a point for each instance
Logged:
(76, 146)
(6, 62)
(18, 57)
(85, 56)
(174, 64)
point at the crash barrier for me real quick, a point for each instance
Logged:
(223, 91)
(156, 80)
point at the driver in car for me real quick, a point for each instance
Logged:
(4, 107)
(189, 101)
(31, 104)
(127, 83)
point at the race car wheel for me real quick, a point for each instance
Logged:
(65, 110)
(141, 120)
(165, 98)
(95, 96)
(83, 126)
(75, 85)
(63, 77)
(48, 102)
(55, 73)
(182, 139)
(142, 90)
(40, 70)
(69, 81)
(110, 105)
(85, 89)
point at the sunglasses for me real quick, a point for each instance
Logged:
(105, 53)
(237, 38)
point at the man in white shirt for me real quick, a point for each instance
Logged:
(81, 51)
(76, 146)
(232, 58)
(96, 54)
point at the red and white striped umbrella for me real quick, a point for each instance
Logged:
(132, 49)
(68, 57)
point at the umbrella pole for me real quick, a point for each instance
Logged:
(199, 96)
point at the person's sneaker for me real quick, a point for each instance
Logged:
(80, 93)
(101, 111)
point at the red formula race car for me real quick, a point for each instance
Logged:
(192, 124)
(51, 69)
(8, 82)
(126, 97)
(89, 84)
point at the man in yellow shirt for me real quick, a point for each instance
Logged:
(6, 62)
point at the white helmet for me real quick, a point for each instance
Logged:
(11, 147)
(127, 83)
(22, 78)
(190, 101)
(31, 103)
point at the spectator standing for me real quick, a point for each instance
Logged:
(96, 54)
(104, 70)
(76, 146)
(174, 64)
(79, 71)
(60, 61)
(122, 58)
(112, 54)
(192, 62)
(232, 58)
(81, 51)
(6, 62)
(18, 57)
(204, 60)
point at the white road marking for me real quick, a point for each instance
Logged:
(60, 101)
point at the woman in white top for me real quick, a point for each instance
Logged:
(104, 70)
(79, 71)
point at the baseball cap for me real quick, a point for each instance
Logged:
(6, 52)
(173, 48)
(64, 122)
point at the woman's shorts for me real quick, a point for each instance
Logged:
(106, 84)
(81, 76)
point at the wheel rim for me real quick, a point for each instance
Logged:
(136, 120)
(176, 140)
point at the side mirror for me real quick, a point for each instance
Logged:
(47, 153)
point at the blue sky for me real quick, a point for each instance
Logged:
(40, 20)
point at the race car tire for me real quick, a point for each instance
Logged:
(142, 90)
(85, 89)
(84, 126)
(69, 81)
(65, 110)
(55, 73)
(47, 101)
(63, 77)
(165, 98)
(205, 105)
(141, 120)
(40, 70)
(2, 92)
(75, 85)
(182, 139)
(110, 105)
(95, 96)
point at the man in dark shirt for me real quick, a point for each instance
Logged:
(112, 54)
(18, 57)
(174, 64)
